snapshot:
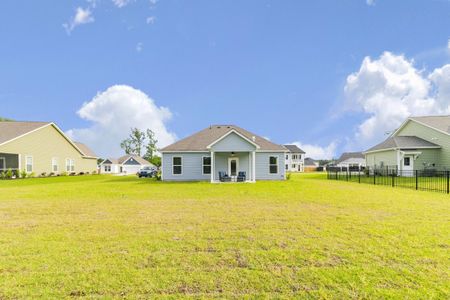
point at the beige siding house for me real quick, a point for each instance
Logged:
(419, 143)
(41, 147)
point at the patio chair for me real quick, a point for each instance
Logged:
(241, 177)
(223, 177)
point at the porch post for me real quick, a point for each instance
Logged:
(212, 167)
(253, 166)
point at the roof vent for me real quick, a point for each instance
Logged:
(254, 138)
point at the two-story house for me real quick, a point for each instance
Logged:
(295, 159)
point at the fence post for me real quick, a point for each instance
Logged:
(448, 182)
(374, 177)
(359, 177)
(346, 175)
(417, 179)
(393, 180)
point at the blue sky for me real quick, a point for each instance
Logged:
(278, 68)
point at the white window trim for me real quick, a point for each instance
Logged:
(229, 165)
(70, 165)
(4, 163)
(26, 163)
(55, 159)
(203, 166)
(277, 164)
(173, 165)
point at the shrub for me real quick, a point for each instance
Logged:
(2, 175)
(9, 174)
(43, 174)
(23, 174)
(63, 173)
(94, 172)
(51, 174)
(288, 176)
(32, 174)
(158, 176)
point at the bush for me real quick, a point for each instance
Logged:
(63, 173)
(23, 174)
(51, 174)
(43, 174)
(158, 176)
(9, 174)
(2, 175)
(94, 172)
(288, 176)
(32, 174)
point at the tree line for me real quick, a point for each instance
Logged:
(142, 142)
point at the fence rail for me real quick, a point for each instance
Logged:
(424, 180)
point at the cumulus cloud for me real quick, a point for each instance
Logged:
(317, 151)
(113, 112)
(370, 2)
(139, 47)
(389, 89)
(82, 16)
(150, 20)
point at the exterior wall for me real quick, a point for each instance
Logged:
(262, 166)
(388, 158)
(45, 144)
(427, 158)
(352, 162)
(415, 129)
(192, 166)
(221, 163)
(290, 162)
(232, 142)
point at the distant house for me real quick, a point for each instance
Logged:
(223, 153)
(419, 143)
(127, 164)
(310, 165)
(41, 147)
(351, 160)
(295, 159)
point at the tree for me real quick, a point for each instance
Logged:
(150, 148)
(134, 143)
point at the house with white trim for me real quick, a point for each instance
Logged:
(351, 160)
(127, 164)
(42, 147)
(419, 143)
(223, 153)
(295, 159)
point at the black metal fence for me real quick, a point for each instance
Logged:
(424, 180)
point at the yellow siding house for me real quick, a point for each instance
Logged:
(41, 147)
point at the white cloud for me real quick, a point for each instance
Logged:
(82, 16)
(448, 44)
(318, 152)
(150, 20)
(139, 47)
(121, 3)
(113, 112)
(370, 2)
(390, 89)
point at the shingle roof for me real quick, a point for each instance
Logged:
(85, 149)
(403, 142)
(294, 149)
(139, 159)
(310, 162)
(11, 129)
(348, 155)
(200, 140)
(441, 123)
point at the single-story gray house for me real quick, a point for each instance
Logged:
(223, 153)
(127, 164)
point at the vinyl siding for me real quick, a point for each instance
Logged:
(45, 144)
(192, 167)
(415, 129)
(389, 158)
(232, 142)
(262, 166)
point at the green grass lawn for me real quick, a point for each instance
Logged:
(114, 237)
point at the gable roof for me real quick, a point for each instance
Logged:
(310, 162)
(10, 130)
(349, 155)
(403, 142)
(140, 160)
(85, 149)
(439, 123)
(201, 140)
(294, 149)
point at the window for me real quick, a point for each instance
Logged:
(294, 166)
(206, 165)
(29, 164)
(177, 165)
(294, 156)
(407, 161)
(70, 165)
(54, 164)
(107, 168)
(2, 163)
(273, 164)
(287, 167)
(287, 156)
